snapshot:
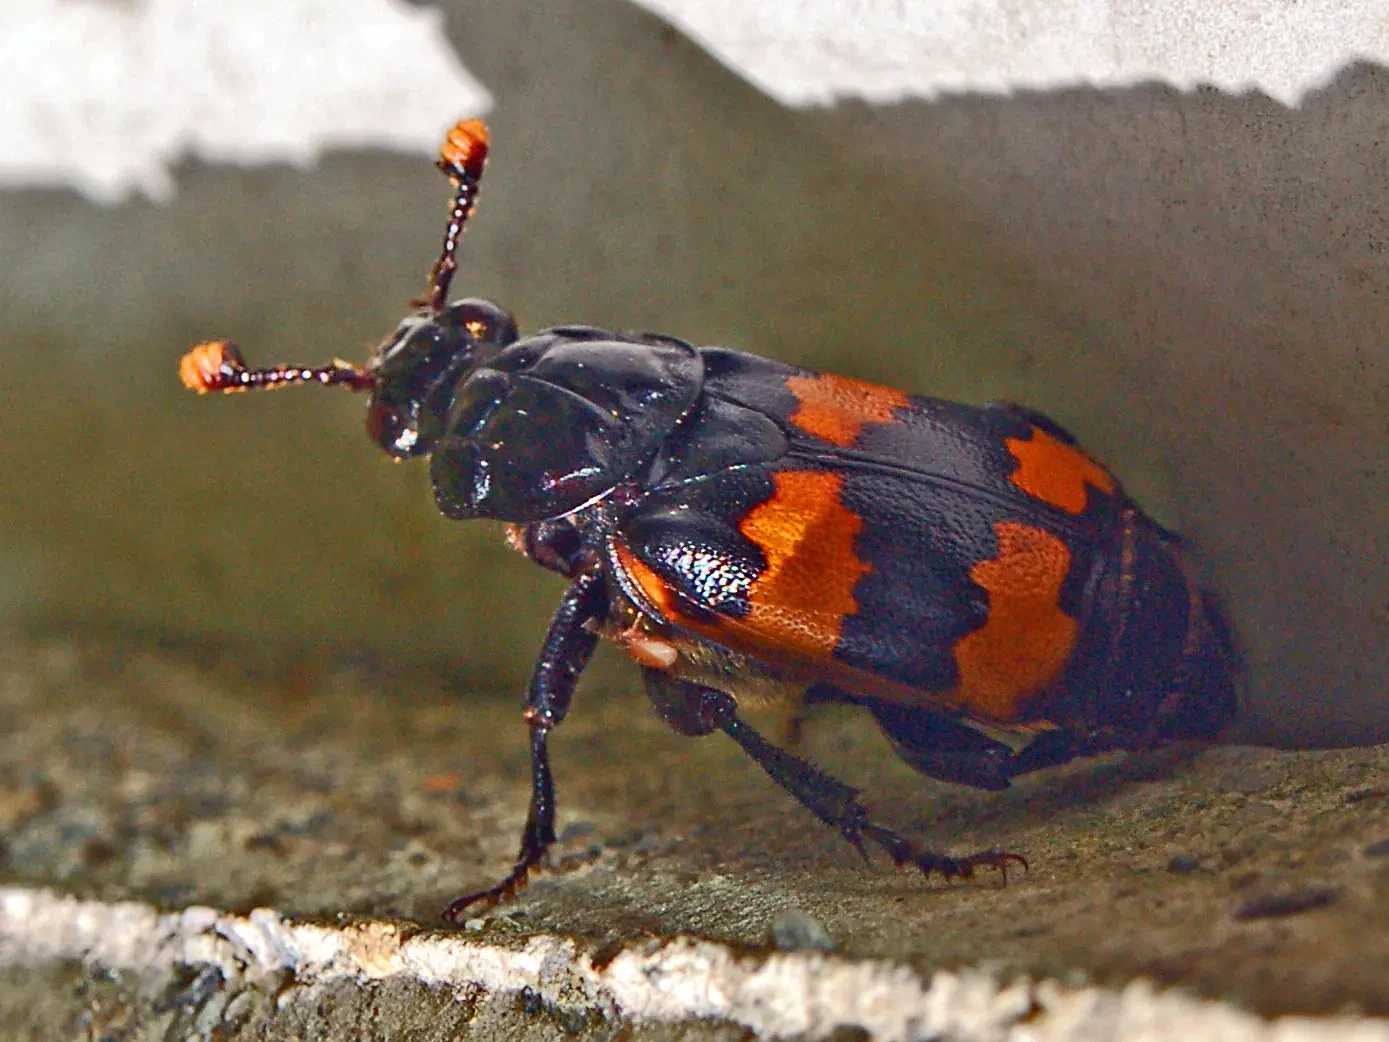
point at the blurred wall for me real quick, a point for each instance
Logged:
(1193, 282)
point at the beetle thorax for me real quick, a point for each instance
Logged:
(558, 420)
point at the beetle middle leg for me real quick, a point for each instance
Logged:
(568, 645)
(694, 709)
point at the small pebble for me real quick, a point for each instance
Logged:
(1361, 795)
(1280, 906)
(794, 930)
(1182, 863)
(1247, 779)
(442, 784)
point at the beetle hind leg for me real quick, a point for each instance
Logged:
(837, 804)
(951, 751)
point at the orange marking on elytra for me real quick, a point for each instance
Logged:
(808, 536)
(1055, 472)
(1027, 639)
(835, 408)
(797, 606)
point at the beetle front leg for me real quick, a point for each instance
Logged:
(567, 648)
(837, 804)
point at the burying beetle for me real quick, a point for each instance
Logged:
(968, 575)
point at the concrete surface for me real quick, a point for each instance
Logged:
(204, 974)
(815, 52)
(1193, 282)
(106, 98)
(177, 792)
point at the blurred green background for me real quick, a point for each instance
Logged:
(1193, 283)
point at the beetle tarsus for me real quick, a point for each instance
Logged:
(904, 852)
(516, 881)
(534, 846)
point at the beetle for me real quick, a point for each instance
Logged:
(969, 575)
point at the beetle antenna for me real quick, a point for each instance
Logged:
(461, 160)
(217, 365)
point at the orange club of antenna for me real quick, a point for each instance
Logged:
(465, 148)
(217, 365)
(211, 366)
(461, 159)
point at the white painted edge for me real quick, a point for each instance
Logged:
(808, 53)
(791, 993)
(107, 97)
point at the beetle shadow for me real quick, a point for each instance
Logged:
(1091, 784)
(1086, 786)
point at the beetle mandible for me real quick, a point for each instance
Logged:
(967, 574)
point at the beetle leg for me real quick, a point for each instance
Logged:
(556, 545)
(837, 804)
(568, 645)
(951, 751)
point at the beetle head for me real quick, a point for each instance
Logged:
(417, 368)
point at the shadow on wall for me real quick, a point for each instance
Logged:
(1190, 282)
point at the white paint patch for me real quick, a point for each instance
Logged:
(813, 52)
(801, 994)
(105, 95)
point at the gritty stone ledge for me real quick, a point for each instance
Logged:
(674, 981)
